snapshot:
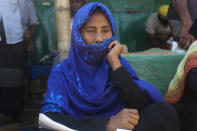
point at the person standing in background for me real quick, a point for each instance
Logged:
(29, 22)
(16, 29)
(74, 6)
(181, 15)
(158, 29)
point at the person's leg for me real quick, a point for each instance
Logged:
(1, 104)
(14, 98)
(158, 117)
(7, 113)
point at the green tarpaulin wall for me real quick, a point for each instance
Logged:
(155, 66)
(130, 17)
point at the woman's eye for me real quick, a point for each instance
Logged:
(105, 31)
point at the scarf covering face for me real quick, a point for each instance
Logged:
(80, 85)
(177, 84)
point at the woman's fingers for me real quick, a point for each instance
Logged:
(131, 122)
(134, 116)
(115, 48)
(133, 111)
(112, 44)
(125, 119)
(130, 126)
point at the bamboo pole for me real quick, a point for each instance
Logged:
(62, 9)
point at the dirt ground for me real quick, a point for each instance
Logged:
(31, 113)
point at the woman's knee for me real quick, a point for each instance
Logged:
(164, 110)
(163, 115)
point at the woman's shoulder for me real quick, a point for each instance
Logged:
(61, 72)
(125, 63)
(62, 66)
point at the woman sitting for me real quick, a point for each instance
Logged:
(95, 89)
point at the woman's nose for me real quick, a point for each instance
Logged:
(99, 38)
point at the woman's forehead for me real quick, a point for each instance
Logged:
(84, 14)
(97, 18)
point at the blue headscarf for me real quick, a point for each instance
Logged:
(80, 85)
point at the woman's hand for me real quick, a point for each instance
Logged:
(115, 49)
(125, 119)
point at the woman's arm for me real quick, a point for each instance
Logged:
(132, 96)
(130, 93)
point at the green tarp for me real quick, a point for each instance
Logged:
(155, 66)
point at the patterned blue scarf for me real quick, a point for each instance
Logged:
(80, 85)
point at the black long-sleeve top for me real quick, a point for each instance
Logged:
(130, 93)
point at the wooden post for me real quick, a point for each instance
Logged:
(62, 8)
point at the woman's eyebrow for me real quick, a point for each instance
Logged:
(90, 27)
(106, 26)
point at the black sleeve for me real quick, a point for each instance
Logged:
(89, 123)
(131, 94)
